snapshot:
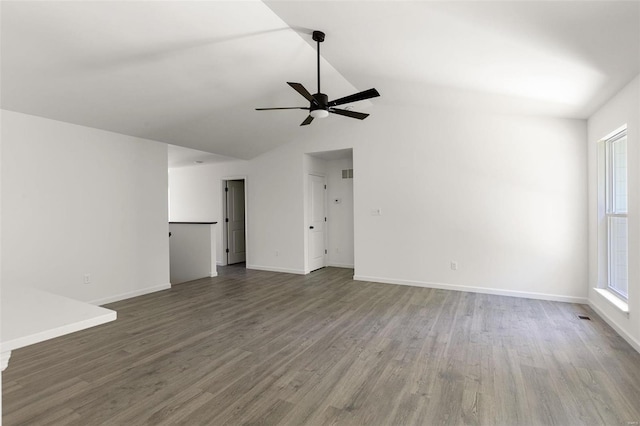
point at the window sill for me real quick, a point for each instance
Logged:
(614, 300)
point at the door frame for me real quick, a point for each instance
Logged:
(223, 239)
(307, 267)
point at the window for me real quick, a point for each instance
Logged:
(615, 176)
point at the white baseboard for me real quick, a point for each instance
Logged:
(485, 290)
(130, 294)
(276, 269)
(626, 336)
(213, 274)
(340, 265)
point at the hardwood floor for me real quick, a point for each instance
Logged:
(253, 347)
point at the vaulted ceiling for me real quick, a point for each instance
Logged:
(191, 73)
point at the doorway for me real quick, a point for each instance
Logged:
(337, 169)
(234, 233)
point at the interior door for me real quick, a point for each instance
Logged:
(235, 222)
(317, 222)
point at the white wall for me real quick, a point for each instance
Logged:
(504, 196)
(276, 237)
(196, 191)
(340, 215)
(77, 201)
(620, 110)
(196, 195)
(192, 249)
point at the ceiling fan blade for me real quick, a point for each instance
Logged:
(347, 113)
(269, 109)
(307, 120)
(367, 94)
(304, 92)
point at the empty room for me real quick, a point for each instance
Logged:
(320, 212)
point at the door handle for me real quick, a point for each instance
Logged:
(311, 227)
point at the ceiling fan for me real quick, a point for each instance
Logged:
(319, 104)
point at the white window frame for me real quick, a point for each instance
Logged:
(612, 211)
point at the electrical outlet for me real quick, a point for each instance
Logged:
(87, 278)
(277, 253)
(454, 265)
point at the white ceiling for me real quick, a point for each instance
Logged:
(185, 157)
(191, 73)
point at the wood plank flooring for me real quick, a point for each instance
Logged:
(255, 347)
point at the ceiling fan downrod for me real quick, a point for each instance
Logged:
(318, 36)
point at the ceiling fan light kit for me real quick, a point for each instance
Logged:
(319, 104)
(319, 113)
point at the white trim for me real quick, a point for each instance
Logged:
(485, 290)
(277, 269)
(340, 265)
(213, 242)
(620, 330)
(613, 133)
(613, 299)
(223, 181)
(235, 177)
(130, 294)
(612, 211)
(325, 233)
(4, 360)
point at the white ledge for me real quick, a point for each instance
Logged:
(613, 299)
(31, 316)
